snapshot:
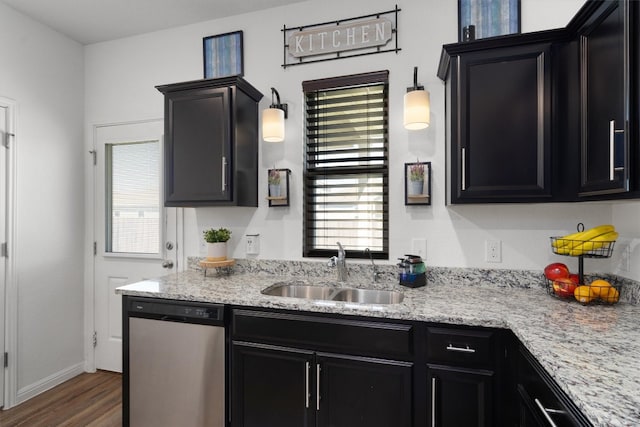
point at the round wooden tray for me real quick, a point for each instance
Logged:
(216, 264)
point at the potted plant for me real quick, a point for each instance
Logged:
(216, 243)
(416, 178)
(274, 183)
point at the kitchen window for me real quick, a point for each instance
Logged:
(133, 197)
(346, 175)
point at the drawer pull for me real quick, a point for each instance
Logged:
(317, 387)
(547, 411)
(306, 384)
(433, 402)
(460, 349)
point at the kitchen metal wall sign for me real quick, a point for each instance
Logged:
(345, 38)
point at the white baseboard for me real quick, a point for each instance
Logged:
(48, 383)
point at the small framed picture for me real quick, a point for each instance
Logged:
(222, 55)
(417, 183)
(278, 180)
(478, 19)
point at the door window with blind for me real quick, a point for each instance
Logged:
(133, 198)
(346, 166)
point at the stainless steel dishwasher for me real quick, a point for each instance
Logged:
(174, 364)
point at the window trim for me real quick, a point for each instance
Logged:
(376, 77)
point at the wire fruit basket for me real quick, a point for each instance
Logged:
(574, 287)
(588, 249)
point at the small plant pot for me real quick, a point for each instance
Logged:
(274, 190)
(416, 187)
(217, 251)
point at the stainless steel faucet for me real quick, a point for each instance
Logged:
(340, 262)
(374, 272)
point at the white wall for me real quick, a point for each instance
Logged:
(43, 72)
(120, 86)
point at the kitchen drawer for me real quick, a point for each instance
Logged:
(542, 402)
(458, 346)
(321, 333)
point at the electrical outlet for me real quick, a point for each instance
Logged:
(493, 251)
(419, 247)
(253, 244)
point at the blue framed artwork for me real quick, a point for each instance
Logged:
(222, 55)
(479, 19)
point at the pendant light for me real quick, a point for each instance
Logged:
(273, 119)
(417, 106)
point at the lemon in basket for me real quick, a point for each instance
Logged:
(600, 287)
(584, 294)
(610, 295)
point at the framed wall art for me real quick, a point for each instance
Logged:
(222, 55)
(417, 183)
(478, 19)
(278, 187)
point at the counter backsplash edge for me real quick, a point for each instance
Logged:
(452, 276)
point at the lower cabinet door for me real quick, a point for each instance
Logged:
(271, 386)
(363, 392)
(459, 397)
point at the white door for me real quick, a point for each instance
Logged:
(135, 236)
(4, 138)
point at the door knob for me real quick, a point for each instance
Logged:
(167, 263)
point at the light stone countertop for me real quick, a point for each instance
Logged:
(591, 351)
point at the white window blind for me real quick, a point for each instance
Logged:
(133, 197)
(346, 167)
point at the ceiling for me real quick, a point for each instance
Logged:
(93, 21)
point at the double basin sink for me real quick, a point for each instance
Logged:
(326, 293)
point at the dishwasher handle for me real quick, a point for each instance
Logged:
(180, 319)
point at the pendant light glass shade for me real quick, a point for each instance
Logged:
(273, 125)
(417, 108)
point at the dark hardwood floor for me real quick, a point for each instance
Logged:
(86, 400)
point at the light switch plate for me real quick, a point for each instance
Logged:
(493, 250)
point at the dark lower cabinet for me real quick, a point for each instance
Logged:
(280, 387)
(541, 402)
(363, 392)
(460, 396)
(306, 370)
(271, 387)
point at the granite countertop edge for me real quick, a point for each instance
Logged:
(590, 351)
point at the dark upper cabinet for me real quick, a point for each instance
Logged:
(547, 116)
(211, 143)
(499, 114)
(604, 99)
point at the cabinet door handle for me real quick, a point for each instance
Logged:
(464, 169)
(224, 173)
(547, 411)
(306, 384)
(318, 387)
(433, 402)
(612, 135)
(612, 148)
(460, 349)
